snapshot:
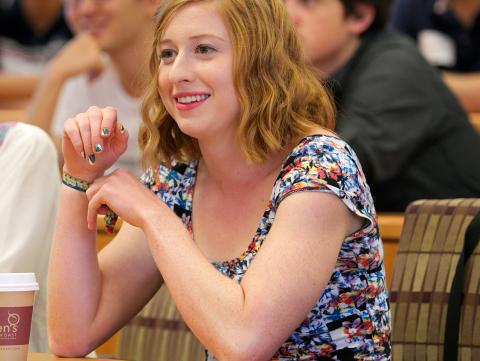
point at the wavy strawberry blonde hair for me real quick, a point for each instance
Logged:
(280, 99)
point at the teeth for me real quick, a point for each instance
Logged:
(192, 99)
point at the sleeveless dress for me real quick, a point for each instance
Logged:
(351, 319)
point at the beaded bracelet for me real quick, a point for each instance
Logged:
(75, 183)
(82, 186)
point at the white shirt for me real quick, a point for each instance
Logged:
(29, 189)
(79, 93)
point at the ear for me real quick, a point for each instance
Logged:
(362, 17)
(151, 6)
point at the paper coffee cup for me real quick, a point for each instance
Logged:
(17, 294)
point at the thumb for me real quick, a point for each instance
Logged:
(96, 72)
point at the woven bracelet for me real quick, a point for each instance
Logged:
(75, 183)
(82, 186)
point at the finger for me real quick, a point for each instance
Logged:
(109, 120)
(95, 203)
(72, 132)
(95, 116)
(84, 126)
(103, 210)
(95, 186)
(97, 68)
(120, 142)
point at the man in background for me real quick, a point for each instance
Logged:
(410, 133)
(105, 64)
(31, 34)
(447, 34)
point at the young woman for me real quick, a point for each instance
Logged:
(252, 212)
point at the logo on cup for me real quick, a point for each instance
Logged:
(10, 330)
(13, 320)
(15, 325)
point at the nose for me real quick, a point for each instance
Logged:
(83, 7)
(292, 11)
(182, 69)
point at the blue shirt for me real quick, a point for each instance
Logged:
(442, 38)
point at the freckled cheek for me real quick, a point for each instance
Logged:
(164, 90)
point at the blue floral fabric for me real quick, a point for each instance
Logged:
(351, 319)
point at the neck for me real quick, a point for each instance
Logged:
(131, 63)
(226, 167)
(466, 11)
(325, 68)
(41, 15)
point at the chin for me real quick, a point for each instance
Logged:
(187, 128)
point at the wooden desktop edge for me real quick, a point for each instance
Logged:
(390, 226)
(34, 356)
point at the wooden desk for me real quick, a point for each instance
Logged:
(33, 356)
(475, 120)
(103, 237)
(10, 115)
(390, 226)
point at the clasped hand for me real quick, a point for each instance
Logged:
(124, 194)
(92, 142)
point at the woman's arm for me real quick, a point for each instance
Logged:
(94, 295)
(90, 298)
(245, 321)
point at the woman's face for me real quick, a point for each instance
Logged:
(195, 78)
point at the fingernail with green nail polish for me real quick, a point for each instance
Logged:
(98, 148)
(105, 132)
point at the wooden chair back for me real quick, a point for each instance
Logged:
(158, 333)
(430, 244)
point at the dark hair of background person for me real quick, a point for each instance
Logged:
(382, 9)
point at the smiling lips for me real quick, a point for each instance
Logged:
(190, 101)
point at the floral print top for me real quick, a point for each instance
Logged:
(351, 319)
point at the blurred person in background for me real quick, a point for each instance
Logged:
(410, 133)
(447, 33)
(29, 188)
(31, 34)
(103, 65)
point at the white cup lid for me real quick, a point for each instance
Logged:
(11, 282)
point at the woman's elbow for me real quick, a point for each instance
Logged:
(246, 349)
(65, 346)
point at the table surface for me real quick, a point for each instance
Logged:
(33, 356)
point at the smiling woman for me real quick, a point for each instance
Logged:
(275, 106)
(255, 215)
(195, 79)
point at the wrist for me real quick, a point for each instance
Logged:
(55, 73)
(75, 183)
(85, 176)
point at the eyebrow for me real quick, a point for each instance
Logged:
(195, 37)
